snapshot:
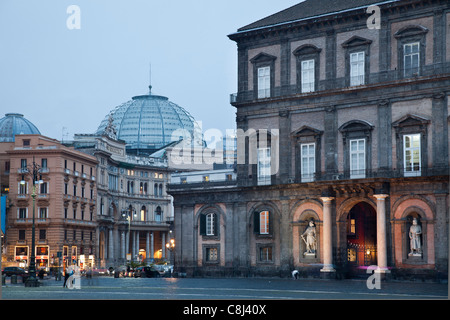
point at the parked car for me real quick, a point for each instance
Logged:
(9, 271)
(164, 268)
(146, 272)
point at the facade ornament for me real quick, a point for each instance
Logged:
(414, 235)
(110, 129)
(310, 240)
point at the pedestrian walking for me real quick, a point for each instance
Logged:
(67, 274)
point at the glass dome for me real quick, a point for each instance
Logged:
(150, 122)
(13, 124)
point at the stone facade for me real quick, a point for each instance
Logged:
(374, 118)
(134, 212)
(64, 203)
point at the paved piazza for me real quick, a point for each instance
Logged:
(229, 288)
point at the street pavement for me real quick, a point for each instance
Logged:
(104, 288)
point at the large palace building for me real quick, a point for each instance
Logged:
(343, 147)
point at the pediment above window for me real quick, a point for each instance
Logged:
(263, 57)
(410, 31)
(356, 125)
(356, 41)
(306, 49)
(306, 131)
(411, 120)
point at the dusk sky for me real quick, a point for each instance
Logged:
(66, 81)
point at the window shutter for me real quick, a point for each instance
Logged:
(216, 224)
(202, 225)
(256, 222)
(270, 222)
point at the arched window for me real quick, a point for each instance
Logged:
(143, 213)
(208, 224)
(158, 214)
(262, 223)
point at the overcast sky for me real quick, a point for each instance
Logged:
(60, 78)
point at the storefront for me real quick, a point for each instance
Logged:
(42, 258)
(21, 256)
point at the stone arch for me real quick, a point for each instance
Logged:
(302, 213)
(259, 242)
(403, 211)
(203, 242)
(346, 205)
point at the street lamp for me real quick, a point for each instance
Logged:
(128, 214)
(34, 171)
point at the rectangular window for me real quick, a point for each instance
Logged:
(23, 188)
(43, 213)
(411, 60)
(265, 254)
(44, 163)
(264, 166)
(42, 234)
(264, 222)
(23, 163)
(357, 158)
(44, 188)
(307, 76)
(22, 213)
(308, 161)
(411, 156)
(210, 224)
(263, 82)
(211, 254)
(21, 234)
(357, 68)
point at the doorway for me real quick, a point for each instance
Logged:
(361, 237)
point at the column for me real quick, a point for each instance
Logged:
(381, 233)
(133, 247)
(327, 235)
(122, 245)
(111, 245)
(147, 247)
(136, 254)
(152, 249)
(127, 243)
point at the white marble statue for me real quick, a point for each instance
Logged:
(414, 235)
(310, 240)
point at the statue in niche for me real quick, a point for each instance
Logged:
(310, 240)
(414, 238)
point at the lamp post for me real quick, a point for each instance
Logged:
(171, 247)
(34, 171)
(127, 214)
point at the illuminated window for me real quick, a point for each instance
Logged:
(212, 254)
(351, 254)
(264, 222)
